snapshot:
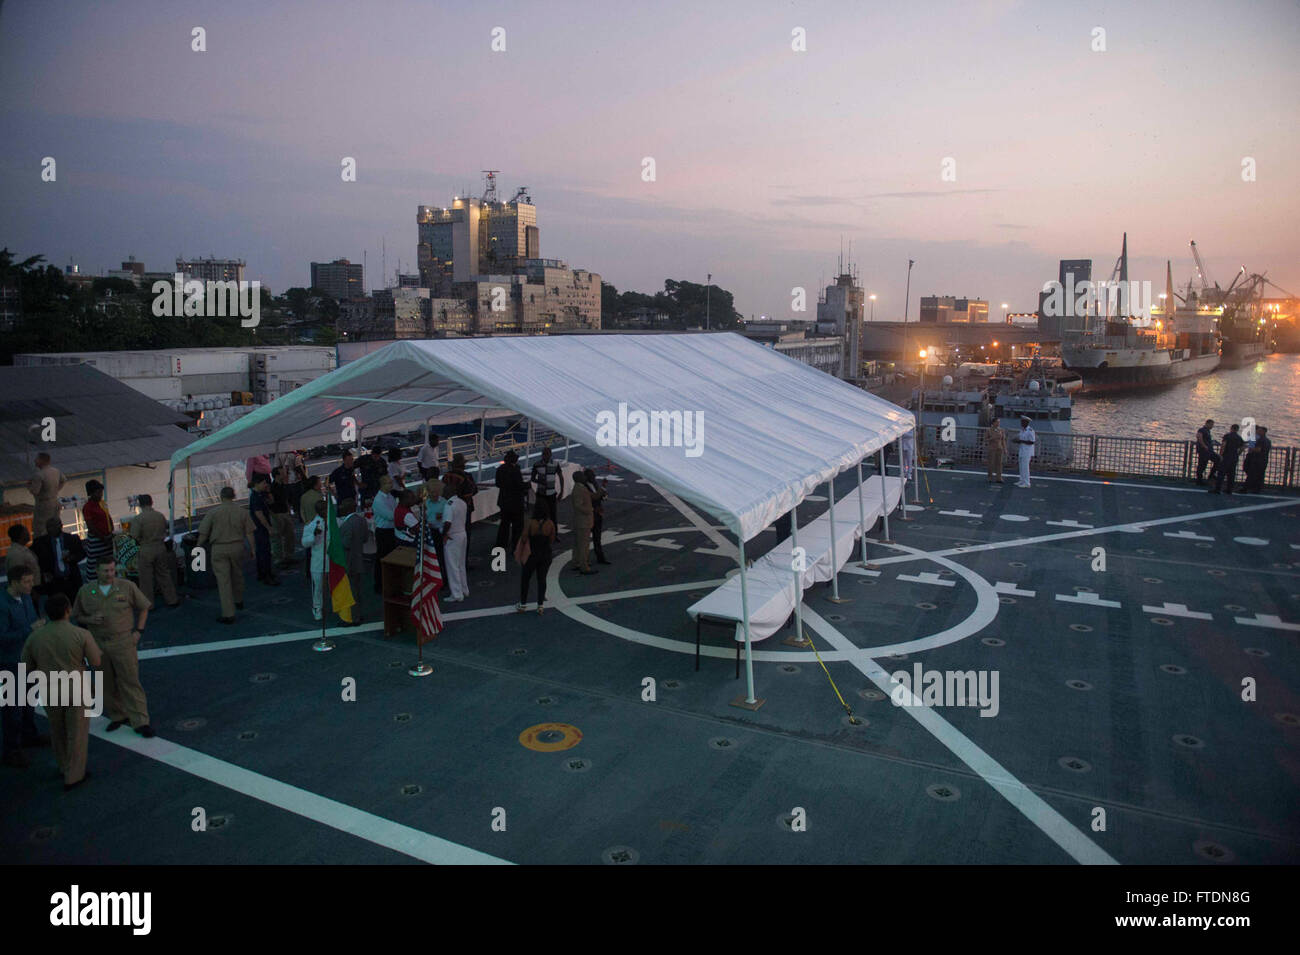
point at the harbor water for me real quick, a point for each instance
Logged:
(1267, 390)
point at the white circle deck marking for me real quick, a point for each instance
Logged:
(1013, 517)
(986, 610)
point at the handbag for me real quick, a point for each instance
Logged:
(524, 549)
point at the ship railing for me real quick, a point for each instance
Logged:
(1099, 455)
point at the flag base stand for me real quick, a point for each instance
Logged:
(840, 600)
(322, 645)
(866, 565)
(797, 641)
(420, 669)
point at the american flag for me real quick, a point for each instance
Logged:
(427, 583)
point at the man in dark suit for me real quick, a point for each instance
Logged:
(59, 554)
(1229, 452)
(355, 535)
(1256, 462)
(510, 501)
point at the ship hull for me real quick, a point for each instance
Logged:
(1288, 339)
(1105, 379)
(1240, 354)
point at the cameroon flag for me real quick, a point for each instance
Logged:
(341, 599)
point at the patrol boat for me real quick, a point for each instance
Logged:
(972, 404)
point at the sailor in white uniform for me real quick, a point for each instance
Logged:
(907, 454)
(1028, 442)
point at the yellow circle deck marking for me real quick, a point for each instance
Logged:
(570, 737)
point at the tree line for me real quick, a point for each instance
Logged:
(685, 303)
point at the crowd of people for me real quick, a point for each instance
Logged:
(97, 616)
(1223, 463)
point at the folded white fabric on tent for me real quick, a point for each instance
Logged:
(771, 580)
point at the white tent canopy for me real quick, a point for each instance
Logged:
(773, 429)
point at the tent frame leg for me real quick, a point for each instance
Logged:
(749, 701)
(799, 639)
(862, 514)
(835, 597)
(884, 497)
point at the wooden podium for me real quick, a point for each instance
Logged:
(396, 581)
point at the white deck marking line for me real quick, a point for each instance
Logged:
(1074, 524)
(1056, 827)
(1178, 610)
(1011, 590)
(272, 639)
(724, 546)
(927, 577)
(986, 610)
(664, 542)
(1267, 620)
(960, 512)
(1070, 535)
(1103, 482)
(262, 641)
(1088, 599)
(300, 802)
(1187, 536)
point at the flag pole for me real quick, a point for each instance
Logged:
(324, 644)
(421, 668)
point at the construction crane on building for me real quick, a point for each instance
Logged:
(521, 195)
(490, 191)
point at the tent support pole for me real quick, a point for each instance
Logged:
(797, 566)
(482, 432)
(749, 701)
(862, 513)
(902, 480)
(916, 467)
(835, 563)
(171, 502)
(884, 495)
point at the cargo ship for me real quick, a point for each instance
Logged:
(1122, 354)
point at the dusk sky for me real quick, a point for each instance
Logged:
(766, 158)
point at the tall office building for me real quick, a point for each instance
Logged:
(475, 237)
(486, 253)
(340, 279)
(946, 309)
(212, 270)
(1070, 274)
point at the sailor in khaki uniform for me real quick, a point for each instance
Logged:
(45, 487)
(109, 609)
(59, 647)
(149, 528)
(225, 530)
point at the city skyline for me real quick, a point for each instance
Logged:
(767, 159)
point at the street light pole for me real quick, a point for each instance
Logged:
(873, 309)
(707, 289)
(907, 298)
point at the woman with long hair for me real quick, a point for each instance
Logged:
(540, 531)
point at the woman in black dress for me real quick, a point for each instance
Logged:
(540, 531)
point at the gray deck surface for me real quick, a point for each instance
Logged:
(1183, 768)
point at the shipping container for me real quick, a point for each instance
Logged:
(210, 362)
(213, 384)
(159, 389)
